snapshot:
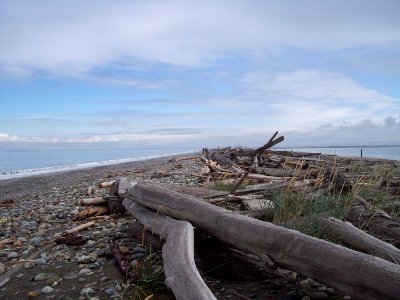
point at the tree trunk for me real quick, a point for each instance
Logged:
(359, 240)
(181, 273)
(360, 275)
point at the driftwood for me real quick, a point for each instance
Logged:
(375, 221)
(93, 211)
(272, 142)
(123, 262)
(146, 238)
(80, 227)
(93, 201)
(178, 253)
(360, 275)
(358, 239)
(106, 184)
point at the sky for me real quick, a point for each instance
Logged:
(199, 73)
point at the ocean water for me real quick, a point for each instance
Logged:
(16, 164)
(389, 152)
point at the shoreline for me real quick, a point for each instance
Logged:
(36, 184)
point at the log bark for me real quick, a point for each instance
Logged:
(272, 142)
(375, 221)
(360, 275)
(93, 201)
(358, 239)
(181, 273)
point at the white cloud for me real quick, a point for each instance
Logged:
(69, 38)
(4, 137)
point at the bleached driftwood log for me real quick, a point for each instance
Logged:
(358, 239)
(360, 275)
(181, 273)
(93, 201)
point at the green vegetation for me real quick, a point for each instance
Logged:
(149, 280)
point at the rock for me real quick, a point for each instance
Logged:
(139, 249)
(109, 291)
(47, 290)
(347, 297)
(19, 276)
(138, 255)
(317, 295)
(292, 277)
(40, 261)
(84, 271)
(330, 290)
(305, 282)
(85, 259)
(33, 294)
(42, 276)
(12, 255)
(124, 249)
(134, 263)
(87, 291)
(53, 279)
(306, 298)
(29, 264)
(104, 278)
(3, 268)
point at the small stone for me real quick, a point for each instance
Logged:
(40, 261)
(3, 268)
(317, 295)
(292, 277)
(29, 264)
(138, 255)
(109, 291)
(19, 275)
(47, 290)
(53, 279)
(139, 249)
(124, 249)
(347, 297)
(87, 291)
(322, 289)
(71, 275)
(134, 263)
(306, 298)
(42, 276)
(85, 259)
(33, 294)
(104, 278)
(84, 271)
(81, 280)
(330, 290)
(100, 252)
(304, 282)
(12, 255)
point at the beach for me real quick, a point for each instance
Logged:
(36, 210)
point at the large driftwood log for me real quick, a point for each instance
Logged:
(375, 221)
(272, 142)
(360, 275)
(181, 273)
(358, 239)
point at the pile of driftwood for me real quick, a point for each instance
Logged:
(371, 271)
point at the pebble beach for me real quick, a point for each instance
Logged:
(35, 210)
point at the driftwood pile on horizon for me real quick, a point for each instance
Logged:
(370, 271)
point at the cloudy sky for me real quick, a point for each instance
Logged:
(200, 72)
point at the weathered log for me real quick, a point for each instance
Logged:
(176, 159)
(80, 227)
(106, 184)
(360, 275)
(260, 214)
(272, 142)
(237, 185)
(93, 211)
(123, 262)
(358, 239)
(146, 238)
(92, 201)
(178, 252)
(374, 221)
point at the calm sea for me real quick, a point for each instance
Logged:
(14, 164)
(392, 152)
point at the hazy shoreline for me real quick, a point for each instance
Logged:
(33, 185)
